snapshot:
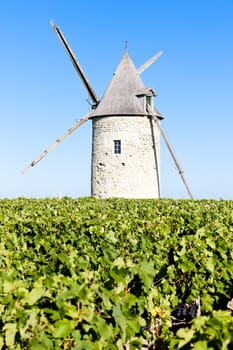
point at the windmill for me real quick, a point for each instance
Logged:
(126, 133)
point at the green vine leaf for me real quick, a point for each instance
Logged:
(10, 332)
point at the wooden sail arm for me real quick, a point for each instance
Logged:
(181, 172)
(149, 62)
(76, 64)
(56, 143)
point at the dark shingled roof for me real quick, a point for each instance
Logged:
(120, 97)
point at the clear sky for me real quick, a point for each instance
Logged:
(41, 95)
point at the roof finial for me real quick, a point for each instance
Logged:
(126, 47)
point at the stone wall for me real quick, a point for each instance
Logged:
(131, 174)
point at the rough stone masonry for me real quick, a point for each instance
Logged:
(132, 172)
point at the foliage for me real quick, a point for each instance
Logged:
(107, 274)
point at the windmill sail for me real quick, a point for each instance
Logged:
(149, 62)
(76, 64)
(56, 143)
(181, 172)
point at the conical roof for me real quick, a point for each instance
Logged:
(121, 95)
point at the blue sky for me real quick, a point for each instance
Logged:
(41, 95)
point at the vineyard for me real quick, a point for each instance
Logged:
(116, 274)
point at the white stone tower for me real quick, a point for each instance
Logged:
(125, 140)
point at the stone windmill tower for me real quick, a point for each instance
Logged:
(126, 133)
(125, 147)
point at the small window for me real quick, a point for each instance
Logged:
(117, 146)
(148, 101)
